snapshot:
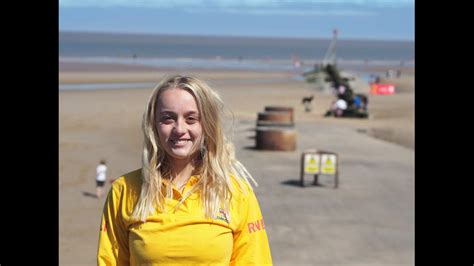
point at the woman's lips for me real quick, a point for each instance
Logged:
(179, 142)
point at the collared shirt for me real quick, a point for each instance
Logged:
(184, 236)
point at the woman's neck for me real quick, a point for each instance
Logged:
(181, 171)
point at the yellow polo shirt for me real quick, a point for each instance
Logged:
(184, 237)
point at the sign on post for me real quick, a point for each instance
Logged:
(328, 164)
(311, 163)
(317, 163)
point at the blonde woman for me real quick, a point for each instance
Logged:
(191, 202)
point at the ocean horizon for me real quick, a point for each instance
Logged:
(162, 46)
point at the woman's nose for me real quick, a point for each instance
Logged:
(180, 126)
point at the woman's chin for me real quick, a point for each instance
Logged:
(180, 154)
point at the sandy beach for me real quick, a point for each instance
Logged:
(105, 124)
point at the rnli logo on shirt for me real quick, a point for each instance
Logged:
(256, 226)
(223, 215)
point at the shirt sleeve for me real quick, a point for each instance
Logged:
(250, 239)
(113, 236)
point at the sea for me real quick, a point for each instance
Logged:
(154, 46)
(228, 52)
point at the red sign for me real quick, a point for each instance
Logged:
(378, 88)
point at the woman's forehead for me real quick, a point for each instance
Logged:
(176, 100)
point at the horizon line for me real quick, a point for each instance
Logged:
(234, 36)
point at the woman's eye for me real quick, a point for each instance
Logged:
(166, 119)
(192, 119)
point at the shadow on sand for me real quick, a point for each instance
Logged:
(88, 194)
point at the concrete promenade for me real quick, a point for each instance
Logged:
(367, 220)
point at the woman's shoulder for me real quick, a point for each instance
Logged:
(125, 191)
(129, 181)
(241, 186)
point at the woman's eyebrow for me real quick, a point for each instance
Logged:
(192, 113)
(173, 113)
(167, 113)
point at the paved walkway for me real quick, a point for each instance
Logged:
(368, 220)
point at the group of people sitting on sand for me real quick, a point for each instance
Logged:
(348, 104)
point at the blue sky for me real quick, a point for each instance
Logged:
(356, 19)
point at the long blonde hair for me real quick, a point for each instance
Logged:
(215, 166)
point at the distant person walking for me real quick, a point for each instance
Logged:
(101, 177)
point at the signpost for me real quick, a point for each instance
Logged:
(317, 163)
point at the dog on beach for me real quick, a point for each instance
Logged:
(307, 102)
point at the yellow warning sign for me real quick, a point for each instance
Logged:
(311, 163)
(328, 164)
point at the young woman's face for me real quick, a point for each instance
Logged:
(179, 126)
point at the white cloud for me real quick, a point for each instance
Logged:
(128, 3)
(232, 3)
(288, 12)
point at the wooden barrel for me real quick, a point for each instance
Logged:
(274, 118)
(281, 109)
(276, 138)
